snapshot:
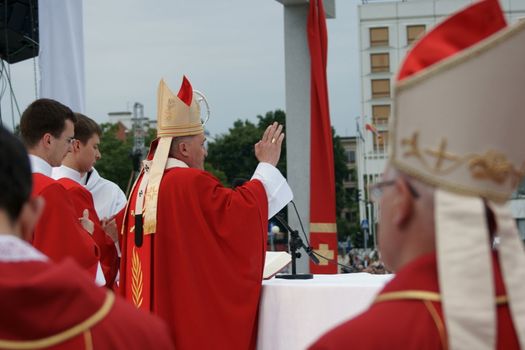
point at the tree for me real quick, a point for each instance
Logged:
(342, 200)
(233, 153)
(115, 164)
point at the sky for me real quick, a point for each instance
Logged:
(232, 51)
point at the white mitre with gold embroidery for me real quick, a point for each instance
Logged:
(458, 125)
(177, 115)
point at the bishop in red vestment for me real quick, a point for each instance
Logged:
(408, 314)
(193, 250)
(444, 225)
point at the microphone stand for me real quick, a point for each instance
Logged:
(295, 244)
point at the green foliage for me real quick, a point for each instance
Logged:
(233, 154)
(115, 164)
(217, 173)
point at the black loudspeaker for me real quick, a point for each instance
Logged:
(18, 30)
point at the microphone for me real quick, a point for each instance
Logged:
(297, 239)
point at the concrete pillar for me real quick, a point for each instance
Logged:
(297, 75)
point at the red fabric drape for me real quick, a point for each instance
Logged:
(323, 234)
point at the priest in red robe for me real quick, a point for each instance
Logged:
(47, 129)
(47, 305)
(193, 250)
(445, 228)
(83, 156)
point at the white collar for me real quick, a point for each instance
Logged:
(64, 171)
(94, 177)
(13, 249)
(170, 163)
(38, 165)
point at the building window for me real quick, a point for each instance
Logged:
(379, 62)
(350, 156)
(379, 36)
(380, 88)
(381, 141)
(414, 32)
(380, 114)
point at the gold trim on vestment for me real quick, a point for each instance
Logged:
(136, 280)
(323, 227)
(88, 340)
(65, 335)
(438, 322)
(423, 295)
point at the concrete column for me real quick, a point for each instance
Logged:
(297, 75)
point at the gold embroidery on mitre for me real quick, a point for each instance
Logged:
(496, 167)
(170, 110)
(413, 148)
(492, 165)
(136, 279)
(441, 156)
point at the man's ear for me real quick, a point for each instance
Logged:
(46, 139)
(403, 203)
(183, 149)
(76, 146)
(29, 216)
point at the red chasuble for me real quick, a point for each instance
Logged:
(407, 314)
(58, 233)
(82, 199)
(58, 307)
(202, 270)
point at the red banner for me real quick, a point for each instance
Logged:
(323, 230)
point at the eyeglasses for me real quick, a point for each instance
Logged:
(376, 190)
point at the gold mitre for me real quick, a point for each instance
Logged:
(458, 124)
(178, 115)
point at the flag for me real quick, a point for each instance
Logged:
(372, 128)
(323, 228)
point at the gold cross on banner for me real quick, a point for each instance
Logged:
(324, 251)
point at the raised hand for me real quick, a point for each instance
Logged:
(268, 149)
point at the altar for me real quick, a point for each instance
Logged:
(294, 313)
